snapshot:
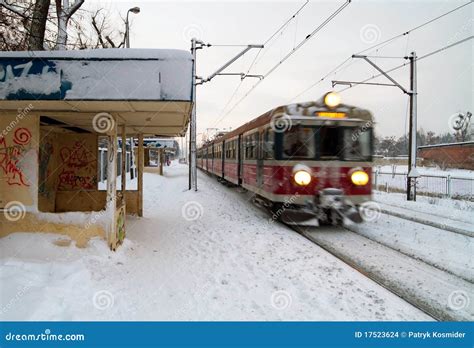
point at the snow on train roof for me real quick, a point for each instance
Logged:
(101, 74)
(311, 108)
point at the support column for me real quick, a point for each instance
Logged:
(412, 146)
(140, 174)
(162, 159)
(111, 201)
(124, 161)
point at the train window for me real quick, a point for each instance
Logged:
(357, 144)
(329, 143)
(269, 144)
(298, 142)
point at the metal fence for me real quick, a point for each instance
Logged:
(430, 185)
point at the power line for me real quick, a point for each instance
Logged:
(282, 27)
(383, 43)
(406, 63)
(305, 40)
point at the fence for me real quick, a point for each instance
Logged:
(429, 185)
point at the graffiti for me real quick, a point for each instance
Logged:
(22, 136)
(11, 157)
(79, 168)
(21, 80)
(70, 180)
(46, 151)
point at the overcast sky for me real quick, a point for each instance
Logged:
(445, 80)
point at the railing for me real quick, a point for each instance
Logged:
(427, 184)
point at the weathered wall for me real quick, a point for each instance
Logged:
(450, 156)
(48, 176)
(19, 139)
(91, 201)
(77, 170)
(81, 234)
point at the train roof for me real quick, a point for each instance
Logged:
(306, 109)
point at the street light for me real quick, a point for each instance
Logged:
(135, 10)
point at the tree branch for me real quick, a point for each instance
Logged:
(73, 8)
(13, 9)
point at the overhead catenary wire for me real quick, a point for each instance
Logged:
(302, 42)
(406, 63)
(282, 27)
(379, 45)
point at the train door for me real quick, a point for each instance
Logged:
(211, 164)
(239, 159)
(259, 154)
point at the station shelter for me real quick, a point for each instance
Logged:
(55, 109)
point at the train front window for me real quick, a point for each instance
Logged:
(298, 142)
(329, 143)
(357, 144)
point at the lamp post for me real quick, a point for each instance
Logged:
(135, 10)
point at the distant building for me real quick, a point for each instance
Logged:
(455, 155)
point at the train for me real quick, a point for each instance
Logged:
(306, 162)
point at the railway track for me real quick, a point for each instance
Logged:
(441, 222)
(425, 287)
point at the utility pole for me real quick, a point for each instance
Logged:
(196, 45)
(412, 148)
(412, 93)
(192, 124)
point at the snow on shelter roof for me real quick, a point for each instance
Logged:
(101, 74)
(149, 91)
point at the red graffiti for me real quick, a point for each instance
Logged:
(72, 180)
(77, 156)
(22, 136)
(79, 164)
(10, 161)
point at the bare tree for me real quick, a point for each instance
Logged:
(38, 25)
(33, 25)
(64, 11)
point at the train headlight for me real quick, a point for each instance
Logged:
(302, 175)
(332, 99)
(359, 178)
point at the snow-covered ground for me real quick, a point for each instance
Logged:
(130, 185)
(206, 255)
(443, 249)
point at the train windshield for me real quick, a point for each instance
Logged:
(299, 142)
(327, 143)
(356, 144)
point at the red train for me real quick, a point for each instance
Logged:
(306, 162)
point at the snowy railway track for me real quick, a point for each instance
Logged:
(426, 287)
(444, 223)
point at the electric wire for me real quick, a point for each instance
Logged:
(380, 45)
